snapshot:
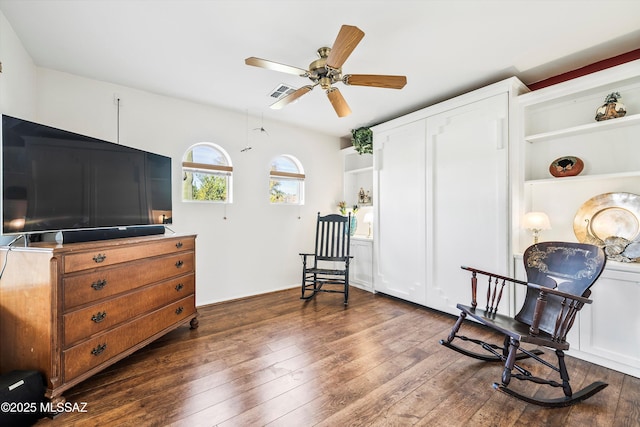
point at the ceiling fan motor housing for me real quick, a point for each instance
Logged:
(320, 72)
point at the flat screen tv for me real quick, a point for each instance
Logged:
(54, 180)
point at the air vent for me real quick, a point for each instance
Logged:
(282, 90)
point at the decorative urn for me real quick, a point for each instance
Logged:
(612, 108)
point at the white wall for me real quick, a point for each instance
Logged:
(17, 81)
(18, 78)
(255, 249)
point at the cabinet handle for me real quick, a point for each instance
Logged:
(179, 264)
(179, 310)
(99, 317)
(99, 349)
(179, 287)
(99, 258)
(179, 245)
(99, 284)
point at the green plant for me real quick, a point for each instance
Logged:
(362, 140)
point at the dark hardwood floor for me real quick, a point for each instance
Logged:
(275, 360)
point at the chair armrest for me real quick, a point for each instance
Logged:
(496, 283)
(565, 316)
(305, 256)
(546, 290)
(497, 276)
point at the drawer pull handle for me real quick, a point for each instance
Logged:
(179, 264)
(179, 287)
(179, 245)
(99, 349)
(99, 317)
(179, 310)
(99, 284)
(99, 258)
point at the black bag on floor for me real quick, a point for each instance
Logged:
(21, 396)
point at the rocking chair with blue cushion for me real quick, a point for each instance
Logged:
(559, 276)
(327, 269)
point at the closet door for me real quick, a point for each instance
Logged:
(467, 221)
(399, 206)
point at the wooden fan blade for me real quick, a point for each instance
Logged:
(338, 102)
(347, 40)
(291, 97)
(275, 66)
(374, 80)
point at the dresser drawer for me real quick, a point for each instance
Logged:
(110, 255)
(84, 288)
(99, 349)
(80, 324)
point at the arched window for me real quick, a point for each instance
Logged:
(207, 174)
(286, 181)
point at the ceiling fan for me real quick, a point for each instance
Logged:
(328, 70)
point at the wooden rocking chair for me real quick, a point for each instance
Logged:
(330, 262)
(559, 276)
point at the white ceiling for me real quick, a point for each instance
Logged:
(195, 49)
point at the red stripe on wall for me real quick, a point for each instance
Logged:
(592, 68)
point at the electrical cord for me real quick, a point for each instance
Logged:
(6, 256)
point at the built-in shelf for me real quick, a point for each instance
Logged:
(583, 129)
(569, 179)
(358, 175)
(354, 171)
(559, 121)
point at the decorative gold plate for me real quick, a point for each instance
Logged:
(608, 215)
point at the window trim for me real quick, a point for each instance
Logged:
(207, 167)
(279, 174)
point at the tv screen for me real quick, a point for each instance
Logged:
(55, 180)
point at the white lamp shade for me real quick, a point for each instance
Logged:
(536, 221)
(368, 218)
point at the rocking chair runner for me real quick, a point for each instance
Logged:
(559, 276)
(329, 265)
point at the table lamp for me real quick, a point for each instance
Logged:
(535, 222)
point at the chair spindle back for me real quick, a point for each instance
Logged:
(333, 237)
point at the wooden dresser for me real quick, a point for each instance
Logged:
(71, 310)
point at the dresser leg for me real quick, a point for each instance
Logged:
(52, 405)
(194, 323)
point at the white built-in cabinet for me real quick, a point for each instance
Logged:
(399, 210)
(441, 196)
(560, 121)
(451, 183)
(467, 198)
(361, 266)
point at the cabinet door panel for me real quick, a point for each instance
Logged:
(399, 185)
(467, 198)
(609, 327)
(360, 267)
